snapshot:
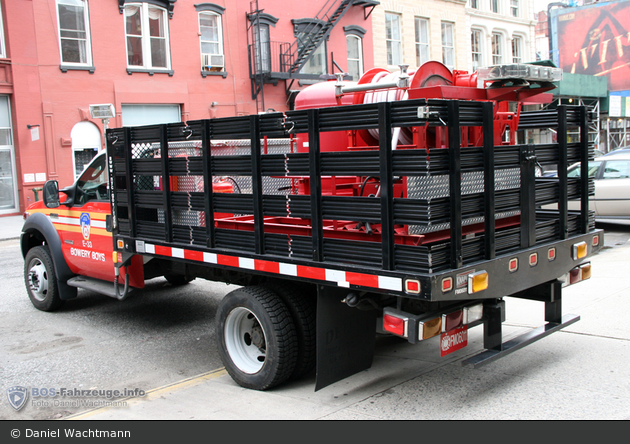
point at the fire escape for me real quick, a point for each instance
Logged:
(271, 61)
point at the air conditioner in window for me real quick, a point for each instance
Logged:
(212, 62)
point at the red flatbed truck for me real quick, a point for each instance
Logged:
(389, 205)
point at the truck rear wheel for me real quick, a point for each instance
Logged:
(301, 302)
(256, 336)
(40, 279)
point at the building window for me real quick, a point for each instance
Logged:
(517, 50)
(211, 41)
(8, 184)
(354, 46)
(3, 52)
(74, 33)
(497, 49)
(422, 41)
(474, 4)
(448, 44)
(86, 142)
(393, 39)
(494, 5)
(476, 49)
(514, 8)
(147, 36)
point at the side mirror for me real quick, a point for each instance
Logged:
(51, 194)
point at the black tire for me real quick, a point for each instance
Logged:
(40, 279)
(256, 338)
(178, 279)
(301, 302)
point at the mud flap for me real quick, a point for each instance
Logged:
(345, 337)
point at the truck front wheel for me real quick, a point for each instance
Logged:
(256, 337)
(40, 279)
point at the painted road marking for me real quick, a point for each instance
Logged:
(156, 392)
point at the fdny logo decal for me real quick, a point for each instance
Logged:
(85, 225)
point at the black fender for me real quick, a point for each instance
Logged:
(39, 223)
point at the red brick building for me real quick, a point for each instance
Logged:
(156, 61)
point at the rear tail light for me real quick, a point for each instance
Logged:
(533, 259)
(513, 265)
(397, 325)
(551, 254)
(452, 320)
(428, 329)
(586, 271)
(578, 274)
(472, 314)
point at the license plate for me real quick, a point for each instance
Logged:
(454, 340)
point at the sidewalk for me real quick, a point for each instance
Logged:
(11, 227)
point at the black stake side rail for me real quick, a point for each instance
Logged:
(144, 214)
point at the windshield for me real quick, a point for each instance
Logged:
(576, 171)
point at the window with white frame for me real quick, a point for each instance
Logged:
(211, 41)
(74, 32)
(476, 48)
(497, 48)
(393, 38)
(146, 33)
(354, 46)
(514, 8)
(422, 40)
(494, 5)
(448, 44)
(517, 49)
(474, 4)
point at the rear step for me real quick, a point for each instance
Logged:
(97, 285)
(488, 356)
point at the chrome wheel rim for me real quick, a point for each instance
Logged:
(38, 280)
(245, 340)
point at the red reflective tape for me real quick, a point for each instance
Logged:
(163, 251)
(231, 261)
(268, 266)
(366, 280)
(193, 255)
(311, 272)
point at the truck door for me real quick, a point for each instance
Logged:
(86, 243)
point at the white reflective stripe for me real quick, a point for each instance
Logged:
(210, 258)
(245, 262)
(337, 276)
(77, 221)
(149, 248)
(390, 283)
(177, 252)
(66, 220)
(288, 269)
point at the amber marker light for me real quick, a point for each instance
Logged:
(579, 250)
(477, 281)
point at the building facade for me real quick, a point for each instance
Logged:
(501, 32)
(412, 33)
(155, 61)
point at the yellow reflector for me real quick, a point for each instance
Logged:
(477, 282)
(429, 329)
(586, 271)
(115, 257)
(580, 250)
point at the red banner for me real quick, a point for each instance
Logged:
(596, 41)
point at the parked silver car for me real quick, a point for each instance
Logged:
(611, 175)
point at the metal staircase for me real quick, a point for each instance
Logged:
(315, 33)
